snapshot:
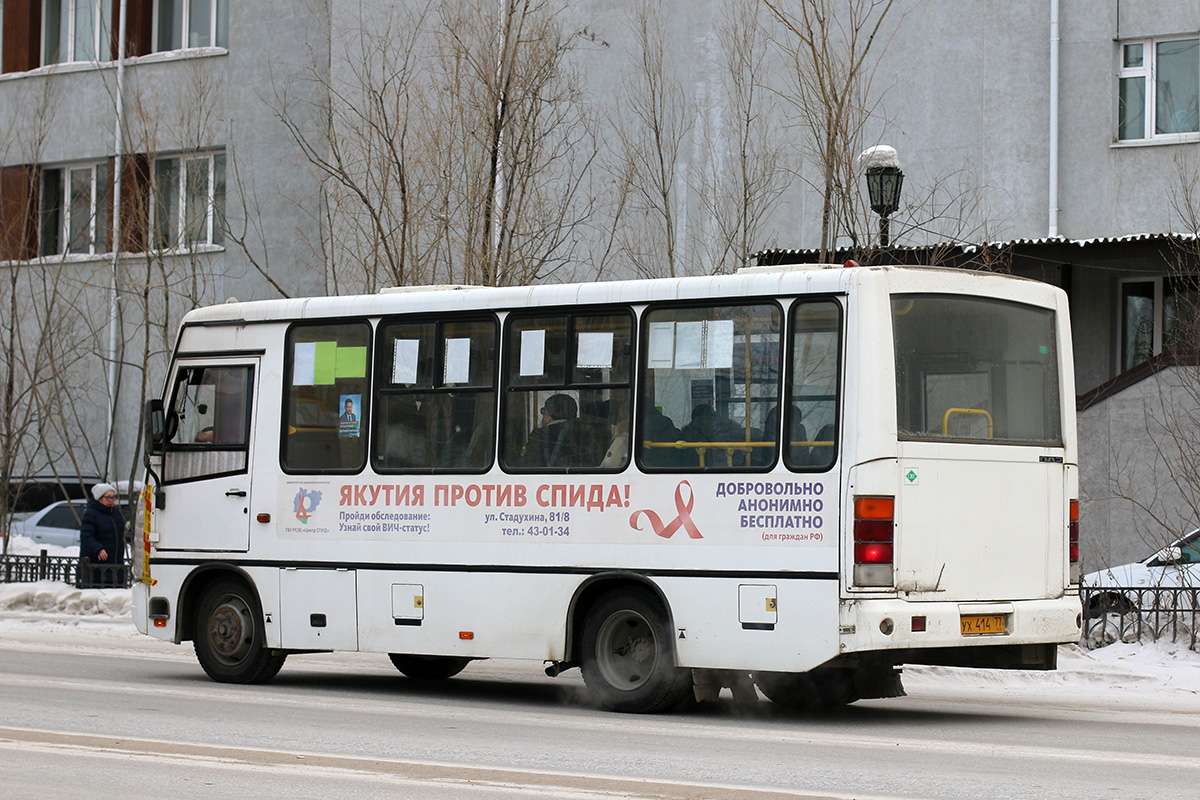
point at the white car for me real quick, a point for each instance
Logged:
(1175, 566)
(57, 524)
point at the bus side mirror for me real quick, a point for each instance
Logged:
(155, 427)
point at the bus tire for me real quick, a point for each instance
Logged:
(627, 659)
(817, 689)
(229, 637)
(428, 668)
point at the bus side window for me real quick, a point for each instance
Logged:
(436, 395)
(567, 392)
(710, 378)
(813, 393)
(326, 397)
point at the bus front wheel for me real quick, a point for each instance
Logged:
(428, 668)
(229, 638)
(627, 661)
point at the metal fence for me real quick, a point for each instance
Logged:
(73, 570)
(1140, 614)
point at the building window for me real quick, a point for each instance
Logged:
(181, 24)
(75, 210)
(189, 201)
(1157, 314)
(1158, 88)
(76, 30)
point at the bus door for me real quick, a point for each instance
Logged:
(207, 456)
(984, 474)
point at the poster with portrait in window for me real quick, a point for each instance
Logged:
(348, 422)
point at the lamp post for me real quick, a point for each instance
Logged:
(884, 181)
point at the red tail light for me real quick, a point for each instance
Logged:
(874, 540)
(1073, 532)
(1075, 568)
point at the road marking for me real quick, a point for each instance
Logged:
(581, 786)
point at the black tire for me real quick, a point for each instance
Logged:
(229, 637)
(627, 657)
(428, 668)
(815, 690)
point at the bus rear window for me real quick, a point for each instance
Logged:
(975, 370)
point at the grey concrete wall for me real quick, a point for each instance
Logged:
(1138, 490)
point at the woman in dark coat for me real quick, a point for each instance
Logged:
(102, 534)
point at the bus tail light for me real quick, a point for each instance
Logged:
(1073, 542)
(874, 540)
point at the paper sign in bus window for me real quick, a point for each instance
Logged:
(304, 364)
(458, 360)
(719, 344)
(595, 350)
(349, 421)
(662, 345)
(533, 353)
(404, 360)
(689, 345)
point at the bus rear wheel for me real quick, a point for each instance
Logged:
(428, 668)
(229, 637)
(627, 661)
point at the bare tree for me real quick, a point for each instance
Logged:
(748, 169)
(451, 142)
(832, 50)
(651, 123)
(1153, 475)
(22, 366)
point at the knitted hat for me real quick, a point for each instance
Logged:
(101, 489)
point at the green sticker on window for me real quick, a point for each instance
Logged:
(351, 362)
(325, 363)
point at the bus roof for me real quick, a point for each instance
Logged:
(781, 280)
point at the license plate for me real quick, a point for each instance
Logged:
(976, 624)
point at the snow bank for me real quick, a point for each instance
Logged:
(59, 598)
(24, 546)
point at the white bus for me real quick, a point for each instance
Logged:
(804, 477)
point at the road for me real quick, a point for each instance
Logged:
(95, 711)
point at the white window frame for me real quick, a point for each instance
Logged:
(102, 21)
(98, 225)
(1147, 73)
(185, 25)
(177, 237)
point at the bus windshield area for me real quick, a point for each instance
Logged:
(975, 370)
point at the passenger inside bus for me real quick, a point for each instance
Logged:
(548, 441)
(617, 454)
(660, 429)
(797, 436)
(709, 426)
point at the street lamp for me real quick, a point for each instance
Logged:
(884, 181)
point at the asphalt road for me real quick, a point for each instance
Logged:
(103, 714)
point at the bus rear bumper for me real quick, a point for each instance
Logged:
(1019, 634)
